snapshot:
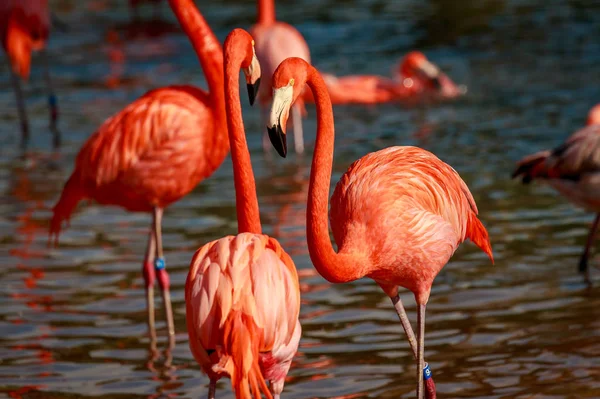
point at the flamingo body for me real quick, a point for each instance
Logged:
(415, 79)
(573, 169)
(409, 211)
(24, 27)
(150, 154)
(242, 304)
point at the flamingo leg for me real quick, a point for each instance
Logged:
(298, 134)
(430, 391)
(163, 276)
(583, 262)
(16, 82)
(420, 349)
(149, 278)
(52, 103)
(212, 387)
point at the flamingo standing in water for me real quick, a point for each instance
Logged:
(397, 215)
(25, 27)
(573, 169)
(276, 41)
(416, 78)
(154, 152)
(242, 294)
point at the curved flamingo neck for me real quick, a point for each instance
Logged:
(334, 267)
(266, 12)
(246, 202)
(207, 48)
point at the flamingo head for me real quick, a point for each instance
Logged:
(426, 76)
(288, 82)
(594, 115)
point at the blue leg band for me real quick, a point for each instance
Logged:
(159, 263)
(426, 372)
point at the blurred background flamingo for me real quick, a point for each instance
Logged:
(242, 293)
(397, 215)
(276, 41)
(24, 28)
(154, 152)
(415, 79)
(573, 170)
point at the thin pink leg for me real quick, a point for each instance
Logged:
(420, 349)
(162, 275)
(430, 392)
(52, 102)
(583, 262)
(212, 387)
(16, 82)
(149, 279)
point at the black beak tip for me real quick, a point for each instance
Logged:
(278, 140)
(437, 83)
(253, 90)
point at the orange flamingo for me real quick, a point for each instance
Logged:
(242, 294)
(416, 78)
(25, 27)
(397, 215)
(572, 169)
(154, 152)
(276, 41)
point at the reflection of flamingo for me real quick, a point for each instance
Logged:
(242, 297)
(572, 169)
(397, 215)
(276, 41)
(154, 152)
(416, 78)
(24, 27)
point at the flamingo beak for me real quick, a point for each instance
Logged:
(278, 139)
(253, 90)
(280, 110)
(432, 73)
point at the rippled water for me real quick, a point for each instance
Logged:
(72, 319)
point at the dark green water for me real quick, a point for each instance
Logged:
(72, 319)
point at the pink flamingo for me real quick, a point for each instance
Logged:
(572, 169)
(397, 215)
(242, 294)
(415, 78)
(276, 41)
(154, 152)
(25, 27)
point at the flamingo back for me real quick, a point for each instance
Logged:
(408, 210)
(242, 306)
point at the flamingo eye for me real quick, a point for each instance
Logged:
(291, 82)
(253, 42)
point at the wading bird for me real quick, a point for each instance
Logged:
(154, 152)
(276, 41)
(397, 215)
(573, 169)
(416, 79)
(24, 28)
(242, 294)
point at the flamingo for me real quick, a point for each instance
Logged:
(397, 215)
(416, 77)
(25, 27)
(276, 41)
(573, 170)
(242, 294)
(154, 152)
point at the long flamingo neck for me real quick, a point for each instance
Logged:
(246, 202)
(266, 12)
(334, 267)
(207, 48)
